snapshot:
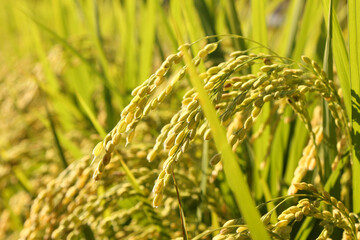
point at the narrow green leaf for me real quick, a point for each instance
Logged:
(148, 28)
(207, 19)
(51, 79)
(191, 21)
(99, 41)
(288, 33)
(181, 210)
(278, 148)
(295, 149)
(131, 177)
(104, 65)
(214, 222)
(91, 116)
(59, 18)
(311, 22)
(354, 37)
(234, 22)
(56, 139)
(130, 44)
(328, 146)
(23, 180)
(260, 155)
(168, 28)
(333, 178)
(341, 56)
(259, 29)
(204, 171)
(259, 34)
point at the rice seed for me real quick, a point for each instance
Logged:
(243, 58)
(169, 166)
(159, 79)
(106, 159)
(147, 110)
(154, 103)
(215, 159)
(191, 116)
(169, 141)
(173, 58)
(159, 186)
(157, 200)
(185, 145)
(209, 48)
(181, 74)
(306, 59)
(136, 90)
(151, 155)
(202, 53)
(192, 105)
(248, 123)
(255, 112)
(180, 137)
(160, 73)
(213, 70)
(173, 150)
(184, 115)
(130, 137)
(109, 147)
(192, 134)
(179, 127)
(204, 76)
(209, 85)
(207, 134)
(98, 149)
(162, 96)
(186, 101)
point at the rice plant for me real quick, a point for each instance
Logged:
(180, 120)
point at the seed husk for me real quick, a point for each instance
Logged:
(248, 123)
(215, 159)
(192, 105)
(255, 112)
(180, 137)
(157, 200)
(209, 48)
(207, 134)
(151, 155)
(98, 149)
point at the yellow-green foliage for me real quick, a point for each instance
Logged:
(111, 125)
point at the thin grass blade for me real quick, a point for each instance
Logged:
(354, 37)
(341, 55)
(91, 116)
